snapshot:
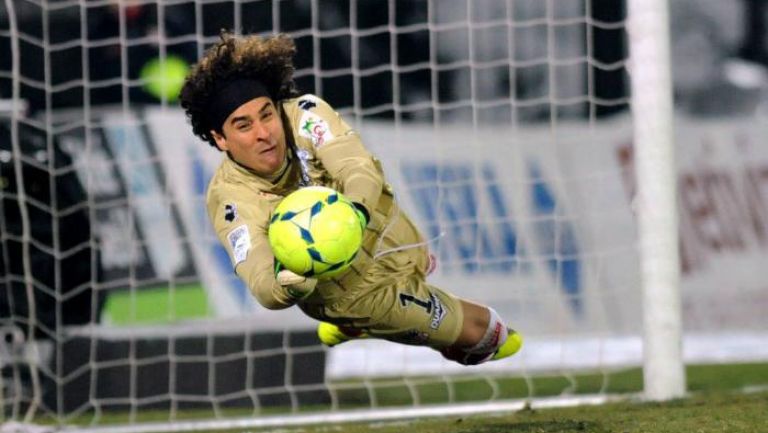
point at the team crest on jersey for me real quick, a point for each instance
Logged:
(315, 128)
(230, 212)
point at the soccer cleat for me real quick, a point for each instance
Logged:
(510, 347)
(331, 335)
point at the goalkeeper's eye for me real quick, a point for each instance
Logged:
(243, 126)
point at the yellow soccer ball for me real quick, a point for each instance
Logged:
(315, 232)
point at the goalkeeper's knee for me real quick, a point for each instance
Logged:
(498, 342)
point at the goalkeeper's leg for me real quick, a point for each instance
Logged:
(484, 337)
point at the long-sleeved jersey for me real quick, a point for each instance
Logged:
(322, 150)
(385, 289)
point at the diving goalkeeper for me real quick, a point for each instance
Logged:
(241, 98)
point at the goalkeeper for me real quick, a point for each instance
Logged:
(240, 98)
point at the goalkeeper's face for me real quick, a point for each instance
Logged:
(254, 137)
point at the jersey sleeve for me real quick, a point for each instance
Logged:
(341, 151)
(241, 226)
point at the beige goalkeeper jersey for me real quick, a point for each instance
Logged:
(323, 150)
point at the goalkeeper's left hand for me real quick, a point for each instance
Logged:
(297, 287)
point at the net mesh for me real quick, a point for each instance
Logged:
(502, 125)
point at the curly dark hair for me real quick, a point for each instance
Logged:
(266, 59)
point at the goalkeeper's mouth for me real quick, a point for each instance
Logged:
(272, 145)
(272, 148)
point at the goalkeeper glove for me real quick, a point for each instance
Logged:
(297, 287)
(362, 215)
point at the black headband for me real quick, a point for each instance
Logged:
(230, 96)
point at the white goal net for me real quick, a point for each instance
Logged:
(505, 128)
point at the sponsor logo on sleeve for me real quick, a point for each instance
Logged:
(315, 128)
(240, 241)
(438, 312)
(230, 212)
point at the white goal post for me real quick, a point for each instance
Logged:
(532, 141)
(653, 114)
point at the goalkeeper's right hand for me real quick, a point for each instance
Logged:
(296, 286)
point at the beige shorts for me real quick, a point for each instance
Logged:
(423, 315)
(409, 312)
(391, 300)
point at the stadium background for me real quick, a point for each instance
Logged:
(714, 43)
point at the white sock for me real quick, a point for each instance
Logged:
(494, 337)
